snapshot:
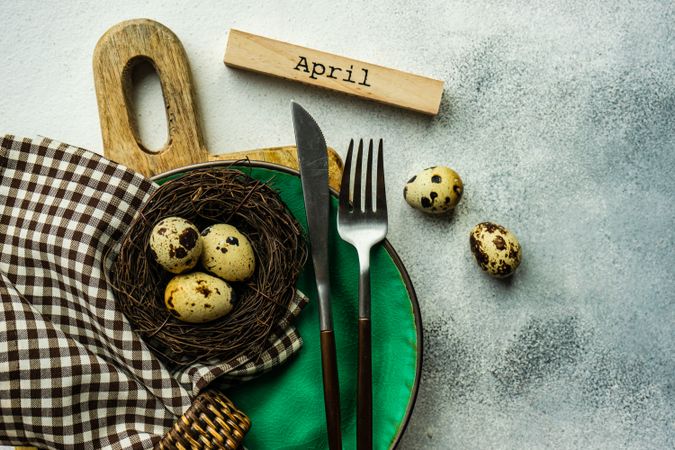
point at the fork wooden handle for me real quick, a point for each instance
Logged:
(331, 389)
(364, 424)
(364, 398)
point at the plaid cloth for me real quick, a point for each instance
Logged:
(73, 374)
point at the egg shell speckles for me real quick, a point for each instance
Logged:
(198, 297)
(435, 190)
(496, 249)
(227, 253)
(175, 244)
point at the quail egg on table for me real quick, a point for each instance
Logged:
(435, 190)
(496, 249)
(198, 297)
(176, 244)
(227, 253)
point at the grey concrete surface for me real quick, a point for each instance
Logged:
(558, 115)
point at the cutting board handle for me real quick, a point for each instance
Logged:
(117, 52)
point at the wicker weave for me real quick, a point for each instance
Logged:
(212, 422)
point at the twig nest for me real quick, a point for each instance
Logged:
(175, 244)
(496, 249)
(206, 197)
(435, 190)
(198, 297)
(227, 253)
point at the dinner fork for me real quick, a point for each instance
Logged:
(363, 223)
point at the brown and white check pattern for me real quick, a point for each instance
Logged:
(73, 374)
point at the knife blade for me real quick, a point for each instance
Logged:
(313, 162)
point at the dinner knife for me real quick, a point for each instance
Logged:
(313, 161)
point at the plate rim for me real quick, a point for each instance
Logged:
(387, 245)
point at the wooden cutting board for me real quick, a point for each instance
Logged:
(116, 53)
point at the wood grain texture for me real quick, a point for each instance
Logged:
(288, 157)
(317, 68)
(116, 53)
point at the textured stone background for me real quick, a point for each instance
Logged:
(560, 119)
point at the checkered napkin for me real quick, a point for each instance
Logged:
(73, 374)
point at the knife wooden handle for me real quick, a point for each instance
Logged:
(364, 423)
(331, 389)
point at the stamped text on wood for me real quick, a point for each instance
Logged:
(394, 87)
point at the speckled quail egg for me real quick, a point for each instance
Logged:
(435, 190)
(176, 244)
(496, 249)
(198, 297)
(227, 253)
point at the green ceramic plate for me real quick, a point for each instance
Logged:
(286, 404)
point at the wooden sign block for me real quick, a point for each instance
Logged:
(394, 87)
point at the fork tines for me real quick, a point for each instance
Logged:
(351, 199)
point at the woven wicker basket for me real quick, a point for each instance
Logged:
(212, 422)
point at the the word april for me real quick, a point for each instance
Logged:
(319, 69)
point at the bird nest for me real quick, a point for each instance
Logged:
(205, 197)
